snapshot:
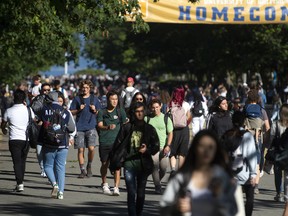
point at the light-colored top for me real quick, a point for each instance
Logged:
(36, 89)
(129, 89)
(249, 152)
(204, 203)
(186, 106)
(159, 124)
(17, 118)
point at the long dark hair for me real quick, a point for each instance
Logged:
(189, 165)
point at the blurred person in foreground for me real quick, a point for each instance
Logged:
(203, 185)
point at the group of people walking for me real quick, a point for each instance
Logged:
(147, 137)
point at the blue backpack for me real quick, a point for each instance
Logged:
(253, 111)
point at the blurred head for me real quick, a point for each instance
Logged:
(238, 119)
(137, 112)
(284, 115)
(86, 86)
(19, 96)
(155, 107)
(112, 98)
(61, 98)
(139, 97)
(56, 84)
(130, 81)
(205, 150)
(45, 88)
(221, 103)
(198, 96)
(178, 96)
(253, 96)
(23, 85)
(36, 79)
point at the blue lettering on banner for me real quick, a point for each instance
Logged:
(270, 16)
(284, 13)
(184, 13)
(216, 12)
(238, 14)
(198, 13)
(252, 17)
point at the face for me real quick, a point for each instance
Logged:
(46, 89)
(206, 150)
(60, 101)
(85, 89)
(139, 98)
(224, 105)
(156, 108)
(113, 100)
(139, 113)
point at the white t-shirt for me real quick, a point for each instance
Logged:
(186, 106)
(17, 118)
(36, 89)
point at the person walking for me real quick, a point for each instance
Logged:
(85, 107)
(240, 145)
(277, 129)
(58, 124)
(203, 185)
(109, 122)
(136, 143)
(18, 145)
(164, 128)
(128, 93)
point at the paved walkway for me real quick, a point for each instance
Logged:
(84, 196)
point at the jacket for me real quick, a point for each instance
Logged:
(123, 143)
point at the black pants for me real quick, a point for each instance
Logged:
(19, 152)
(248, 189)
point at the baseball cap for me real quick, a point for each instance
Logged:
(130, 79)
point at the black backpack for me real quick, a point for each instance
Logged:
(281, 158)
(197, 110)
(54, 130)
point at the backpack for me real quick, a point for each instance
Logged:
(178, 116)
(232, 143)
(128, 97)
(197, 110)
(38, 103)
(54, 130)
(253, 110)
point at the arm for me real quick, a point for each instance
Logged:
(251, 154)
(3, 127)
(154, 144)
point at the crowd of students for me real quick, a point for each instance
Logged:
(150, 135)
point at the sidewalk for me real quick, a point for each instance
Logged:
(84, 196)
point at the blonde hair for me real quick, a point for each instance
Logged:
(284, 115)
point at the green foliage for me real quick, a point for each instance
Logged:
(90, 71)
(36, 34)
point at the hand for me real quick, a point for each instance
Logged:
(93, 108)
(166, 150)
(112, 127)
(71, 142)
(4, 131)
(82, 106)
(253, 181)
(143, 148)
(184, 204)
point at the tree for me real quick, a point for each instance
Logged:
(36, 34)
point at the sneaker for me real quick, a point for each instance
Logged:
(60, 195)
(158, 189)
(54, 191)
(256, 191)
(278, 198)
(116, 191)
(89, 171)
(19, 188)
(106, 189)
(82, 174)
(172, 174)
(43, 174)
(261, 174)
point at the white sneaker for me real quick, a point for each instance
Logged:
(43, 174)
(116, 191)
(106, 189)
(261, 174)
(54, 191)
(19, 188)
(60, 195)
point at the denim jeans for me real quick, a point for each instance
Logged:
(40, 156)
(19, 152)
(136, 183)
(54, 165)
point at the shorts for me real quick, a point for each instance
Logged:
(104, 152)
(180, 142)
(84, 139)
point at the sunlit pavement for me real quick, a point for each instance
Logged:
(84, 196)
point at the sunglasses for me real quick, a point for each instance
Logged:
(46, 90)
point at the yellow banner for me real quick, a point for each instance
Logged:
(215, 11)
